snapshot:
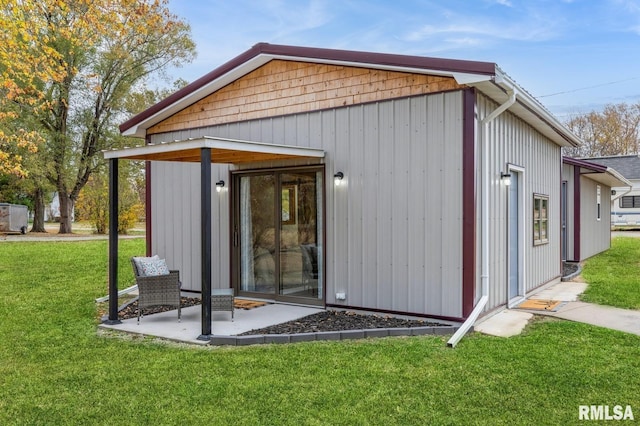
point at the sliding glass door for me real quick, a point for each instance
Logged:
(278, 235)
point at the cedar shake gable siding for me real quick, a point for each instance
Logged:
(287, 87)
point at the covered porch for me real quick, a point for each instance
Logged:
(205, 151)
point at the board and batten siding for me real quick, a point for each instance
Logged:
(513, 141)
(596, 235)
(393, 231)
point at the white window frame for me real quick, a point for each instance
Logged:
(541, 218)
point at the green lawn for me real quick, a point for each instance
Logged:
(55, 369)
(614, 276)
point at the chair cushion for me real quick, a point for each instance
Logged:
(151, 266)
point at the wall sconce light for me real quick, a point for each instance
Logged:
(337, 178)
(219, 185)
(506, 178)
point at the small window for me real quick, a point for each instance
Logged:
(540, 219)
(598, 202)
(630, 202)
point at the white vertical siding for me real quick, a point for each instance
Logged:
(394, 231)
(512, 141)
(567, 175)
(595, 235)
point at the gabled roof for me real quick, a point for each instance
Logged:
(598, 172)
(627, 165)
(485, 76)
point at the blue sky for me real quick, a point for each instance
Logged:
(575, 56)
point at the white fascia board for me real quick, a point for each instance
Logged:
(527, 107)
(139, 130)
(470, 79)
(157, 148)
(460, 77)
(215, 143)
(610, 178)
(258, 61)
(261, 147)
(621, 179)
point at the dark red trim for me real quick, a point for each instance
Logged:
(592, 167)
(147, 200)
(367, 59)
(384, 311)
(576, 214)
(468, 202)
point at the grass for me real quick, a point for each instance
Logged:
(87, 228)
(614, 275)
(55, 368)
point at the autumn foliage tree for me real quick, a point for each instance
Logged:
(69, 66)
(93, 202)
(613, 131)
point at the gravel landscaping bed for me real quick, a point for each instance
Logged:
(569, 268)
(322, 321)
(340, 321)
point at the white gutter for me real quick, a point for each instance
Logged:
(120, 293)
(484, 277)
(628, 185)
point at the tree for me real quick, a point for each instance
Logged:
(93, 202)
(98, 51)
(25, 63)
(614, 131)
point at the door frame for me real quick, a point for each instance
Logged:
(234, 239)
(564, 203)
(513, 300)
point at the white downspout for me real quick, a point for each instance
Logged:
(484, 277)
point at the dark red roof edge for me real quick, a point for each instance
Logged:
(453, 65)
(585, 164)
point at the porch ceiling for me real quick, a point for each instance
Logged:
(228, 151)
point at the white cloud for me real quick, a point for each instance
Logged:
(521, 31)
(285, 18)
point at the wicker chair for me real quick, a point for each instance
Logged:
(159, 290)
(222, 300)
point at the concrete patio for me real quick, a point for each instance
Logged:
(166, 325)
(224, 331)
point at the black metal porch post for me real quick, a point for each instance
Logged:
(205, 237)
(113, 242)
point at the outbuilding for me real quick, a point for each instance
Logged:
(383, 182)
(586, 213)
(625, 201)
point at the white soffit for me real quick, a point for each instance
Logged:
(610, 178)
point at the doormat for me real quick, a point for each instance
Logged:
(247, 304)
(540, 305)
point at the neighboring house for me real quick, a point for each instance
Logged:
(354, 179)
(586, 212)
(52, 210)
(625, 203)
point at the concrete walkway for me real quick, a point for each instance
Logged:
(510, 322)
